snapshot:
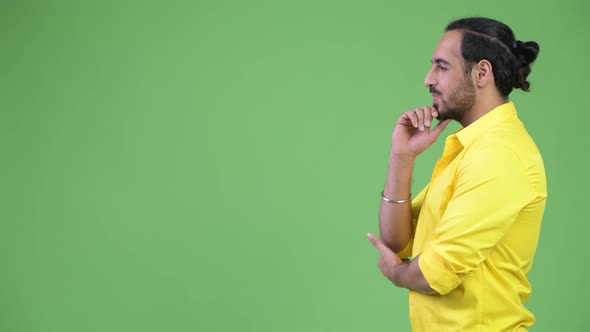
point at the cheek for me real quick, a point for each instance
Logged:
(449, 90)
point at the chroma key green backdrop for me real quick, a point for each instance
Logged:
(216, 165)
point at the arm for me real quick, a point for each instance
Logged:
(411, 136)
(492, 188)
(395, 220)
(406, 274)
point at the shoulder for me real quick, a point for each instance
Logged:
(493, 155)
(506, 158)
(509, 140)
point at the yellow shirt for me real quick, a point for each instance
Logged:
(477, 225)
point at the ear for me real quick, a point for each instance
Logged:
(483, 73)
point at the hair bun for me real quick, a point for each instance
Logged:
(528, 50)
(526, 53)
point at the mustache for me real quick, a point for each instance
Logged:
(434, 90)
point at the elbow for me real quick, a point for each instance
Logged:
(396, 245)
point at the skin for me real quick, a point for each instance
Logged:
(456, 96)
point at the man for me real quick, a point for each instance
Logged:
(473, 231)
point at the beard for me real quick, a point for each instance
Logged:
(458, 103)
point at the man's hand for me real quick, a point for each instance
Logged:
(413, 133)
(388, 260)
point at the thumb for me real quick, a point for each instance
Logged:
(377, 243)
(438, 129)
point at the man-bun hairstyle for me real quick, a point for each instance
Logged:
(511, 59)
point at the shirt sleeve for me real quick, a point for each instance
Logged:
(416, 207)
(490, 189)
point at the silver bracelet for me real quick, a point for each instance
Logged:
(396, 201)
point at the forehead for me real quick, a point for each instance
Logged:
(449, 47)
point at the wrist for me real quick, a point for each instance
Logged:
(403, 158)
(399, 176)
(395, 274)
(401, 164)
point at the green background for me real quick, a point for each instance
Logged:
(216, 165)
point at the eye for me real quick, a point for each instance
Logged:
(442, 68)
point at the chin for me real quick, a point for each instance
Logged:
(443, 115)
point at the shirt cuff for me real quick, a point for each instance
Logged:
(440, 276)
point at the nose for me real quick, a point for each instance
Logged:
(429, 79)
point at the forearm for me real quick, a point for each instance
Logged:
(395, 220)
(408, 275)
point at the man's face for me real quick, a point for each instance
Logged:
(453, 92)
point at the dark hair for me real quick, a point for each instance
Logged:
(485, 38)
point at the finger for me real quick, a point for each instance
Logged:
(378, 244)
(420, 114)
(438, 129)
(428, 116)
(384, 263)
(413, 117)
(433, 112)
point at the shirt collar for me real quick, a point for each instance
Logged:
(496, 116)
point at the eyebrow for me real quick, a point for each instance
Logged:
(440, 61)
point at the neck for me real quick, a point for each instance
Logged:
(481, 107)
